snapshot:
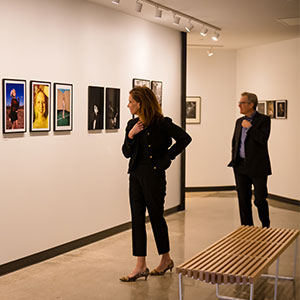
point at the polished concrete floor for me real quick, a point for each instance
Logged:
(92, 272)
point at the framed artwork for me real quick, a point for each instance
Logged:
(270, 109)
(140, 82)
(193, 110)
(40, 105)
(261, 107)
(112, 108)
(95, 107)
(281, 109)
(63, 106)
(156, 87)
(14, 105)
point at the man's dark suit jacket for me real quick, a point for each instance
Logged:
(159, 138)
(256, 145)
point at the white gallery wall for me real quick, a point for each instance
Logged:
(58, 187)
(214, 80)
(272, 72)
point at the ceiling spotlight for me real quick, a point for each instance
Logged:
(204, 31)
(190, 26)
(115, 1)
(158, 12)
(176, 19)
(138, 6)
(216, 35)
(210, 52)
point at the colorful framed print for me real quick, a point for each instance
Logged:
(156, 87)
(95, 107)
(112, 108)
(14, 105)
(281, 109)
(63, 106)
(271, 109)
(193, 110)
(261, 107)
(140, 82)
(40, 105)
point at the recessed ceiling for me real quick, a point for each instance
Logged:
(243, 23)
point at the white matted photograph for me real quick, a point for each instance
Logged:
(193, 110)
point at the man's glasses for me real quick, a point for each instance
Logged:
(243, 103)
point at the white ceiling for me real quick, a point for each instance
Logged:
(244, 23)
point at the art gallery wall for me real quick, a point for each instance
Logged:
(58, 187)
(272, 71)
(214, 80)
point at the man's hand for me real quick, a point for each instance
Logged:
(138, 127)
(246, 124)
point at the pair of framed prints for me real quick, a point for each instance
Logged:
(275, 109)
(96, 108)
(155, 86)
(15, 106)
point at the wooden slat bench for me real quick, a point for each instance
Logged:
(240, 258)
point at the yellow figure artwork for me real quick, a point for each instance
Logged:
(40, 106)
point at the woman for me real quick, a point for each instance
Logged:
(40, 109)
(14, 107)
(147, 143)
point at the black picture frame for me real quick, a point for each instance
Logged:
(193, 110)
(14, 116)
(261, 107)
(271, 109)
(40, 106)
(281, 109)
(141, 82)
(156, 87)
(95, 108)
(112, 112)
(63, 107)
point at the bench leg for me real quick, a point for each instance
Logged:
(180, 286)
(233, 298)
(276, 278)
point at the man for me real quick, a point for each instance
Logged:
(250, 160)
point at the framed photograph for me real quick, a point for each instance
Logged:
(95, 107)
(140, 82)
(112, 108)
(156, 87)
(281, 109)
(40, 105)
(63, 106)
(193, 110)
(271, 109)
(261, 107)
(14, 105)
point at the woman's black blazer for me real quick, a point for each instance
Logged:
(159, 138)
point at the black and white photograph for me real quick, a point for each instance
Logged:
(193, 110)
(112, 108)
(95, 107)
(156, 87)
(140, 82)
(271, 109)
(261, 107)
(281, 109)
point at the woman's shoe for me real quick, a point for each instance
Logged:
(159, 273)
(136, 276)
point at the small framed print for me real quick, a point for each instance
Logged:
(14, 105)
(140, 82)
(271, 109)
(193, 110)
(112, 108)
(40, 105)
(156, 87)
(95, 107)
(281, 109)
(261, 107)
(63, 106)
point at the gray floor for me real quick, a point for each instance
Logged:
(92, 272)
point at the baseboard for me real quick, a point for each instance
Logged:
(210, 188)
(61, 249)
(284, 199)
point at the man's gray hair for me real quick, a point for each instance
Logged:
(252, 98)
